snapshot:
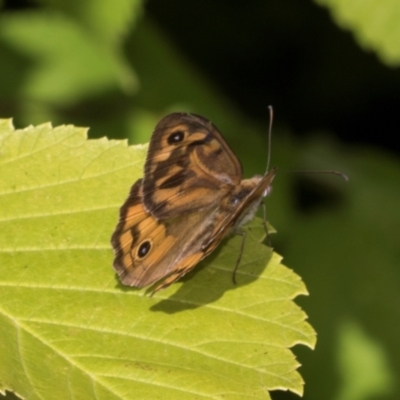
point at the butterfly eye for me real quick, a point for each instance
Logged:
(144, 248)
(175, 137)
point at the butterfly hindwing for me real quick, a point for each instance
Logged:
(147, 251)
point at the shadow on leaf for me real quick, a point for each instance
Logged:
(214, 276)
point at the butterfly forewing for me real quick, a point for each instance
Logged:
(189, 166)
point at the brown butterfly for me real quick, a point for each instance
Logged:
(191, 196)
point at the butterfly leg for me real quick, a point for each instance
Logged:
(243, 234)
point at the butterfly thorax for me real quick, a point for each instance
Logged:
(242, 197)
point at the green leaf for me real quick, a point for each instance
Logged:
(375, 24)
(108, 20)
(74, 64)
(67, 325)
(363, 365)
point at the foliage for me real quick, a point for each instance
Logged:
(374, 24)
(111, 67)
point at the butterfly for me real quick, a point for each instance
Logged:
(191, 196)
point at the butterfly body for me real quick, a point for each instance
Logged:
(191, 196)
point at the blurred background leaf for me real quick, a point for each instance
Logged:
(331, 74)
(374, 24)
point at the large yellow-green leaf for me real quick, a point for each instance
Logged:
(375, 24)
(68, 329)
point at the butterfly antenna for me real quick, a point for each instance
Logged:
(271, 118)
(327, 171)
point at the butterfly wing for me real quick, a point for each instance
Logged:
(147, 251)
(189, 166)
